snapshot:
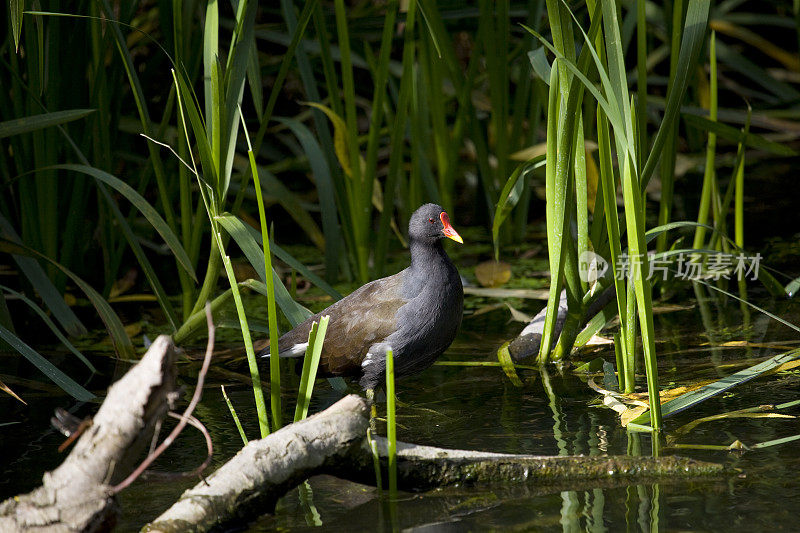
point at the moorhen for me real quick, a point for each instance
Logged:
(416, 311)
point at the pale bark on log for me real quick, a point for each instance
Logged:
(334, 442)
(76, 496)
(252, 481)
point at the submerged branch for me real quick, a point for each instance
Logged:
(334, 442)
(427, 467)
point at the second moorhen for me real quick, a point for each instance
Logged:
(416, 311)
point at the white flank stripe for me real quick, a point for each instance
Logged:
(295, 351)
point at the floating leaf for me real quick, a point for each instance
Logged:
(493, 273)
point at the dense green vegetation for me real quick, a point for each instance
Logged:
(150, 133)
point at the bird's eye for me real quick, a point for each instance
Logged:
(430, 220)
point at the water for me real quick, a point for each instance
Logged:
(478, 408)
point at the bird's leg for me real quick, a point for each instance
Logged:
(373, 411)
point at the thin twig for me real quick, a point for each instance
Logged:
(198, 393)
(172, 476)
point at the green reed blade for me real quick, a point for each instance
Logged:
(210, 59)
(254, 79)
(667, 168)
(283, 71)
(641, 79)
(116, 331)
(272, 317)
(258, 393)
(35, 274)
(616, 68)
(509, 197)
(690, 399)
(507, 364)
(581, 194)
(733, 185)
(560, 189)
(142, 205)
(391, 423)
(609, 106)
(316, 338)
(51, 326)
(289, 200)
(758, 76)
(326, 191)
(287, 258)
(15, 10)
(234, 415)
(738, 178)
(553, 241)
(708, 175)
(730, 133)
(608, 184)
(144, 115)
(397, 141)
(188, 102)
(381, 76)
(360, 198)
(37, 122)
(774, 442)
(141, 258)
(254, 253)
(58, 377)
(691, 44)
(233, 87)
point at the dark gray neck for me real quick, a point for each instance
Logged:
(427, 256)
(429, 263)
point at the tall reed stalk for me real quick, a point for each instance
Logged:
(617, 120)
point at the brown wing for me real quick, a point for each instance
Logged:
(357, 321)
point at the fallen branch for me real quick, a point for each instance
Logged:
(252, 481)
(334, 442)
(427, 467)
(77, 496)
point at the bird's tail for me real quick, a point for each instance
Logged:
(296, 350)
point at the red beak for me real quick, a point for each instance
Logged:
(448, 230)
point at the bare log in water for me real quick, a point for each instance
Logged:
(252, 481)
(427, 467)
(334, 442)
(77, 496)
